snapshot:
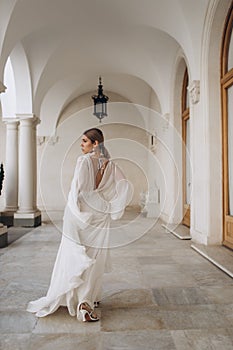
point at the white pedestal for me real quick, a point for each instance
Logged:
(152, 205)
(27, 219)
(152, 209)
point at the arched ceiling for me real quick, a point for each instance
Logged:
(70, 43)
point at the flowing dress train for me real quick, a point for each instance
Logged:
(83, 254)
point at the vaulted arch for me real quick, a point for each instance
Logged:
(18, 97)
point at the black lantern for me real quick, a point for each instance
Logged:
(100, 103)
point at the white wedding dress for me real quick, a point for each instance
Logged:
(83, 256)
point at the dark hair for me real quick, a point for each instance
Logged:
(95, 134)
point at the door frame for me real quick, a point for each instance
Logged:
(185, 118)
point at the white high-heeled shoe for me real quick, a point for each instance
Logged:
(87, 313)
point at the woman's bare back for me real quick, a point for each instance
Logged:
(99, 166)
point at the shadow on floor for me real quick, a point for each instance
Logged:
(15, 233)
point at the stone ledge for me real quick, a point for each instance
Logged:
(7, 218)
(220, 256)
(180, 231)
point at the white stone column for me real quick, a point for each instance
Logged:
(11, 171)
(11, 167)
(3, 229)
(27, 214)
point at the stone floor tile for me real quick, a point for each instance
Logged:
(148, 340)
(129, 264)
(129, 298)
(193, 318)
(131, 319)
(226, 311)
(3, 284)
(215, 277)
(131, 251)
(211, 339)
(153, 260)
(117, 281)
(219, 294)
(159, 279)
(192, 260)
(16, 322)
(16, 295)
(130, 232)
(65, 341)
(14, 341)
(183, 252)
(180, 296)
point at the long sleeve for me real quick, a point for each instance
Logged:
(79, 184)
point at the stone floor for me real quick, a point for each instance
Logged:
(180, 231)
(160, 295)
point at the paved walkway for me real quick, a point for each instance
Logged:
(160, 295)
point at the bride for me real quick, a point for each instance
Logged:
(99, 193)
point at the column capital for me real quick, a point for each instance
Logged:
(28, 119)
(11, 121)
(27, 214)
(2, 87)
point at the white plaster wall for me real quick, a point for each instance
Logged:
(206, 213)
(163, 171)
(170, 192)
(154, 102)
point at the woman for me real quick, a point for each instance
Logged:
(99, 193)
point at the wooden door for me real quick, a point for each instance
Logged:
(186, 152)
(227, 129)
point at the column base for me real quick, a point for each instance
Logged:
(7, 217)
(3, 236)
(27, 219)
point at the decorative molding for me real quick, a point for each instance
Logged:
(2, 87)
(28, 117)
(23, 116)
(194, 91)
(8, 120)
(40, 140)
(153, 149)
(52, 140)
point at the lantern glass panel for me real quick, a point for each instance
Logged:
(99, 108)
